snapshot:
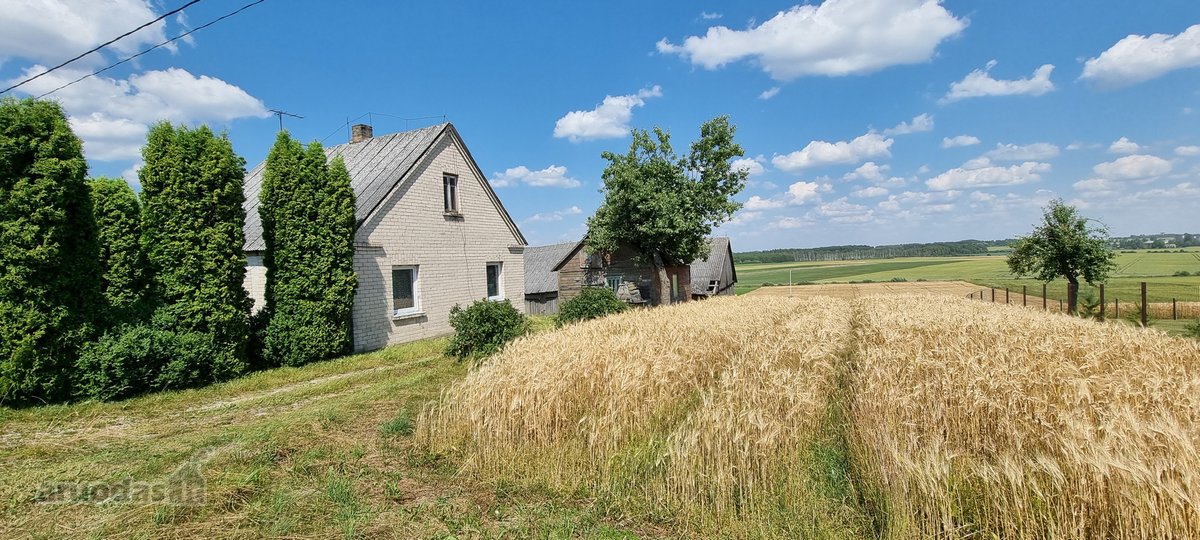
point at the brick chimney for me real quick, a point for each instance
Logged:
(360, 133)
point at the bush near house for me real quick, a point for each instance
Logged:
(592, 303)
(484, 327)
(138, 359)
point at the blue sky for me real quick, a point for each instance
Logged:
(864, 121)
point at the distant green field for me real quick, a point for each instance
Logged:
(1156, 269)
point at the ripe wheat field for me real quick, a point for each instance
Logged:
(876, 417)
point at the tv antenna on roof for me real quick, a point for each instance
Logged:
(281, 114)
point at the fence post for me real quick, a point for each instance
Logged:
(993, 295)
(1174, 312)
(1006, 295)
(1060, 306)
(1145, 307)
(1102, 301)
(1024, 297)
(1043, 297)
(1117, 308)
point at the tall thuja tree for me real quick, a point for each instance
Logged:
(307, 210)
(664, 206)
(192, 220)
(49, 266)
(126, 275)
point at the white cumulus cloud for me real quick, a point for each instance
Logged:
(608, 120)
(50, 31)
(919, 123)
(869, 192)
(990, 176)
(552, 176)
(1138, 58)
(819, 153)
(113, 115)
(960, 140)
(1124, 146)
(869, 171)
(1030, 152)
(556, 215)
(1187, 150)
(769, 93)
(753, 166)
(1135, 167)
(835, 38)
(980, 83)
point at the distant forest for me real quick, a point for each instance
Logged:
(943, 249)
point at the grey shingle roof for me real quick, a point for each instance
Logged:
(540, 276)
(375, 166)
(704, 270)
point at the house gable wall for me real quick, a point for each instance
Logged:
(451, 253)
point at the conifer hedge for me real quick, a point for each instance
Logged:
(192, 221)
(49, 265)
(126, 275)
(307, 210)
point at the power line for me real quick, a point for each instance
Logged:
(105, 44)
(180, 36)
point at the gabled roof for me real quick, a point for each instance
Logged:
(540, 262)
(376, 166)
(720, 253)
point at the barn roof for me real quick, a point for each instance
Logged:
(703, 270)
(375, 165)
(540, 261)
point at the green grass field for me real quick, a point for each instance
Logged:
(1156, 269)
(322, 451)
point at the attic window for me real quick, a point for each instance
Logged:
(450, 192)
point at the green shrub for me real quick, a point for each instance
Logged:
(484, 327)
(898, 280)
(138, 359)
(1182, 273)
(50, 272)
(592, 302)
(1193, 329)
(307, 210)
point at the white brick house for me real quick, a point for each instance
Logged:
(431, 234)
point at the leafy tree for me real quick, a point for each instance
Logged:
(1064, 246)
(49, 265)
(192, 221)
(126, 276)
(307, 213)
(663, 205)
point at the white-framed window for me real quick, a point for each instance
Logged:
(613, 281)
(494, 274)
(406, 298)
(450, 192)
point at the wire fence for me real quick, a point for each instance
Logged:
(1104, 307)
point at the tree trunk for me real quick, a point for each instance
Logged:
(662, 292)
(1072, 294)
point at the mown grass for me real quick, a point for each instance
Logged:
(321, 451)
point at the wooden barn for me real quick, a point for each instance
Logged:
(559, 272)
